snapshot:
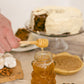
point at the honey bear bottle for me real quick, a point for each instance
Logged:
(43, 68)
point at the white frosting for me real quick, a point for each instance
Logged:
(59, 24)
(60, 19)
(39, 12)
(7, 60)
(1, 62)
(10, 62)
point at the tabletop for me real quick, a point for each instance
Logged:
(76, 46)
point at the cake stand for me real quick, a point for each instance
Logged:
(56, 42)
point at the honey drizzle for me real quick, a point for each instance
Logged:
(42, 49)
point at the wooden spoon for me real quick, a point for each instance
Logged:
(42, 43)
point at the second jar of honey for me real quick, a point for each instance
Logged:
(43, 69)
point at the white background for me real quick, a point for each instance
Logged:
(18, 11)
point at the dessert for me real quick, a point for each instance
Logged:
(6, 71)
(23, 34)
(10, 62)
(11, 74)
(57, 20)
(10, 68)
(67, 64)
(7, 61)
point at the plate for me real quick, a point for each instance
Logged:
(25, 48)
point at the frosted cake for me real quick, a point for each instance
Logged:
(57, 20)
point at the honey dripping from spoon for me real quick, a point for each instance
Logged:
(42, 43)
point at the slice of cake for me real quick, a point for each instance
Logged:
(23, 34)
(11, 69)
(11, 74)
(57, 20)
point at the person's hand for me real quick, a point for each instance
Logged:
(7, 38)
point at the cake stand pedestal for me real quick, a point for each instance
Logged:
(57, 45)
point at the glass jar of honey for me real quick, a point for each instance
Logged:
(43, 69)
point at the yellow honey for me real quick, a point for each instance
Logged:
(43, 69)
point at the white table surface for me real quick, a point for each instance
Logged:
(76, 46)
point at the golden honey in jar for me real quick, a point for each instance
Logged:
(43, 69)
